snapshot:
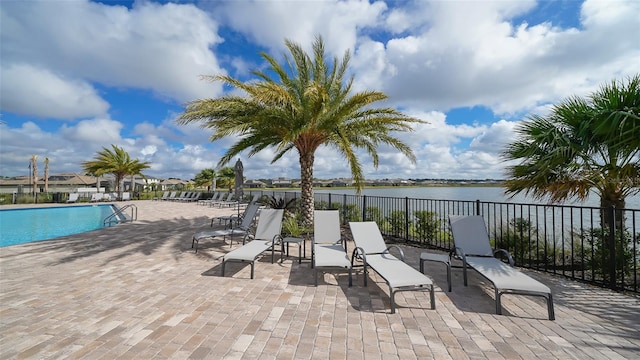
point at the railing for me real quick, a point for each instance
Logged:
(591, 244)
(120, 216)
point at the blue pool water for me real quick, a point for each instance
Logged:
(19, 226)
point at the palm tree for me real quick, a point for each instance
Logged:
(205, 177)
(46, 175)
(227, 176)
(307, 105)
(114, 161)
(582, 145)
(34, 175)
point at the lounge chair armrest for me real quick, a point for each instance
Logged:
(399, 250)
(358, 253)
(247, 236)
(277, 239)
(506, 253)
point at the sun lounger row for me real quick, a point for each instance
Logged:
(329, 252)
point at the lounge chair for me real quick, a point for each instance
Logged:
(73, 197)
(472, 246)
(126, 196)
(214, 197)
(170, 197)
(374, 254)
(193, 197)
(267, 236)
(229, 220)
(95, 197)
(241, 230)
(328, 249)
(228, 202)
(164, 196)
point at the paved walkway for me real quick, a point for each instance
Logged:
(138, 291)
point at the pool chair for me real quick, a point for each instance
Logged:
(126, 196)
(227, 200)
(164, 196)
(171, 196)
(214, 197)
(373, 253)
(266, 237)
(95, 197)
(329, 250)
(240, 230)
(473, 248)
(73, 197)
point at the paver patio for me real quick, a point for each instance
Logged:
(138, 291)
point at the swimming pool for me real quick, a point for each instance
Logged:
(20, 226)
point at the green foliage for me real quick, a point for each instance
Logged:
(595, 248)
(281, 203)
(114, 161)
(398, 220)
(293, 226)
(426, 225)
(352, 213)
(582, 145)
(374, 213)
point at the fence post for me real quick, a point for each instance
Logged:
(611, 219)
(478, 207)
(406, 219)
(344, 207)
(364, 207)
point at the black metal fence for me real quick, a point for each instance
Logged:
(591, 244)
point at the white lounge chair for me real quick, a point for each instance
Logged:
(73, 197)
(126, 196)
(171, 196)
(267, 236)
(374, 254)
(214, 197)
(164, 196)
(95, 197)
(328, 249)
(472, 246)
(241, 230)
(226, 202)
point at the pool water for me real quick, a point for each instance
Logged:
(18, 226)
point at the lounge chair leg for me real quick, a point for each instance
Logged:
(350, 278)
(498, 304)
(316, 276)
(552, 315)
(393, 302)
(223, 264)
(433, 298)
(252, 263)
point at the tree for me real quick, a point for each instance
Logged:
(227, 177)
(582, 145)
(115, 161)
(205, 177)
(307, 104)
(34, 174)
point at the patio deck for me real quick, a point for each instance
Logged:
(139, 291)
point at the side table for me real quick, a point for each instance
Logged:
(302, 246)
(443, 258)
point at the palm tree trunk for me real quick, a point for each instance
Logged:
(306, 184)
(46, 175)
(34, 167)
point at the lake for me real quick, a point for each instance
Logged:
(465, 193)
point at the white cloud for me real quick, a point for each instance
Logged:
(268, 23)
(162, 48)
(35, 91)
(470, 53)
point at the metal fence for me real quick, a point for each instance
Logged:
(591, 244)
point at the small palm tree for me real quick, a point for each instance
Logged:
(583, 145)
(307, 105)
(115, 161)
(205, 177)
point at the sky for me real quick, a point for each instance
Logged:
(77, 76)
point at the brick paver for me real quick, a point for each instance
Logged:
(139, 291)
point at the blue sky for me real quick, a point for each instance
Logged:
(77, 75)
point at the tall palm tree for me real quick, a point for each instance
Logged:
(34, 174)
(115, 161)
(308, 103)
(46, 175)
(582, 145)
(205, 177)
